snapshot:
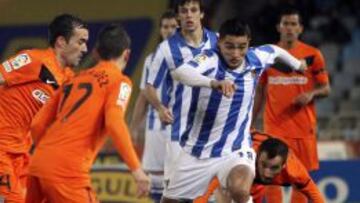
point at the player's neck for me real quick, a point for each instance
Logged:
(60, 59)
(193, 38)
(286, 44)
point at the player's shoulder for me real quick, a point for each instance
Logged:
(308, 48)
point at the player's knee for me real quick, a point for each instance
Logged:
(239, 183)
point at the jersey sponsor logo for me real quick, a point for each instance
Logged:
(124, 94)
(40, 96)
(295, 80)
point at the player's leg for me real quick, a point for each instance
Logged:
(153, 161)
(237, 175)
(11, 189)
(306, 151)
(189, 179)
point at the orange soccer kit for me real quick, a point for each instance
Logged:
(294, 173)
(88, 107)
(295, 124)
(30, 79)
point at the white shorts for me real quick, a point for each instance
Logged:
(173, 150)
(154, 150)
(191, 176)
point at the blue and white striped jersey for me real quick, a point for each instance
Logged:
(152, 117)
(217, 125)
(169, 55)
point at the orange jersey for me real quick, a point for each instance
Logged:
(30, 79)
(281, 116)
(87, 108)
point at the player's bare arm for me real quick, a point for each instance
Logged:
(164, 113)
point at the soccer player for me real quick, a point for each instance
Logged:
(155, 133)
(27, 81)
(71, 128)
(217, 141)
(290, 98)
(276, 164)
(174, 102)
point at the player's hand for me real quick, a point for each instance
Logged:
(303, 67)
(226, 87)
(142, 182)
(165, 115)
(304, 99)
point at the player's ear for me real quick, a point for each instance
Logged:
(278, 27)
(126, 55)
(60, 41)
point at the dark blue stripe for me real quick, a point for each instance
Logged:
(252, 59)
(213, 39)
(166, 89)
(209, 118)
(161, 74)
(175, 51)
(193, 64)
(146, 75)
(191, 115)
(266, 48)
(151, 118)
(240, 137)
(231, 119)
(175, 127)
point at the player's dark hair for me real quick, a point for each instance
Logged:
(112, 40)
(64, 25)
(169, 14)
(183, 2)
(274, 147)
(234, 27)
(289, 10)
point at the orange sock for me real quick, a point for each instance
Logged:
(274, 194)
(298, 197)
(214, 184)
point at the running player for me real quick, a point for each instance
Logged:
(71, 128)
(27, 81)
(290, 98)
(155, 133)
(173, 104)
(217, 141)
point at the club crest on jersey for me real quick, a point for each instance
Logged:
(124, 94)
(40, 96)
(20, 61)
(200, 58)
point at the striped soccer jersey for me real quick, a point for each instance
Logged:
(169, 55)
(217, 125)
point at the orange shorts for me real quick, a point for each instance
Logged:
(13, 171)
(306, 151)
(46, 191)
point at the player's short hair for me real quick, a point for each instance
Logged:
(274, 147)
(169, 14)
(234, 27)
(64, 25)
(289, 10)
(112, 40)
(183, 2)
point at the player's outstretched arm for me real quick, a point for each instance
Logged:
(118, 130)
(285, 57)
